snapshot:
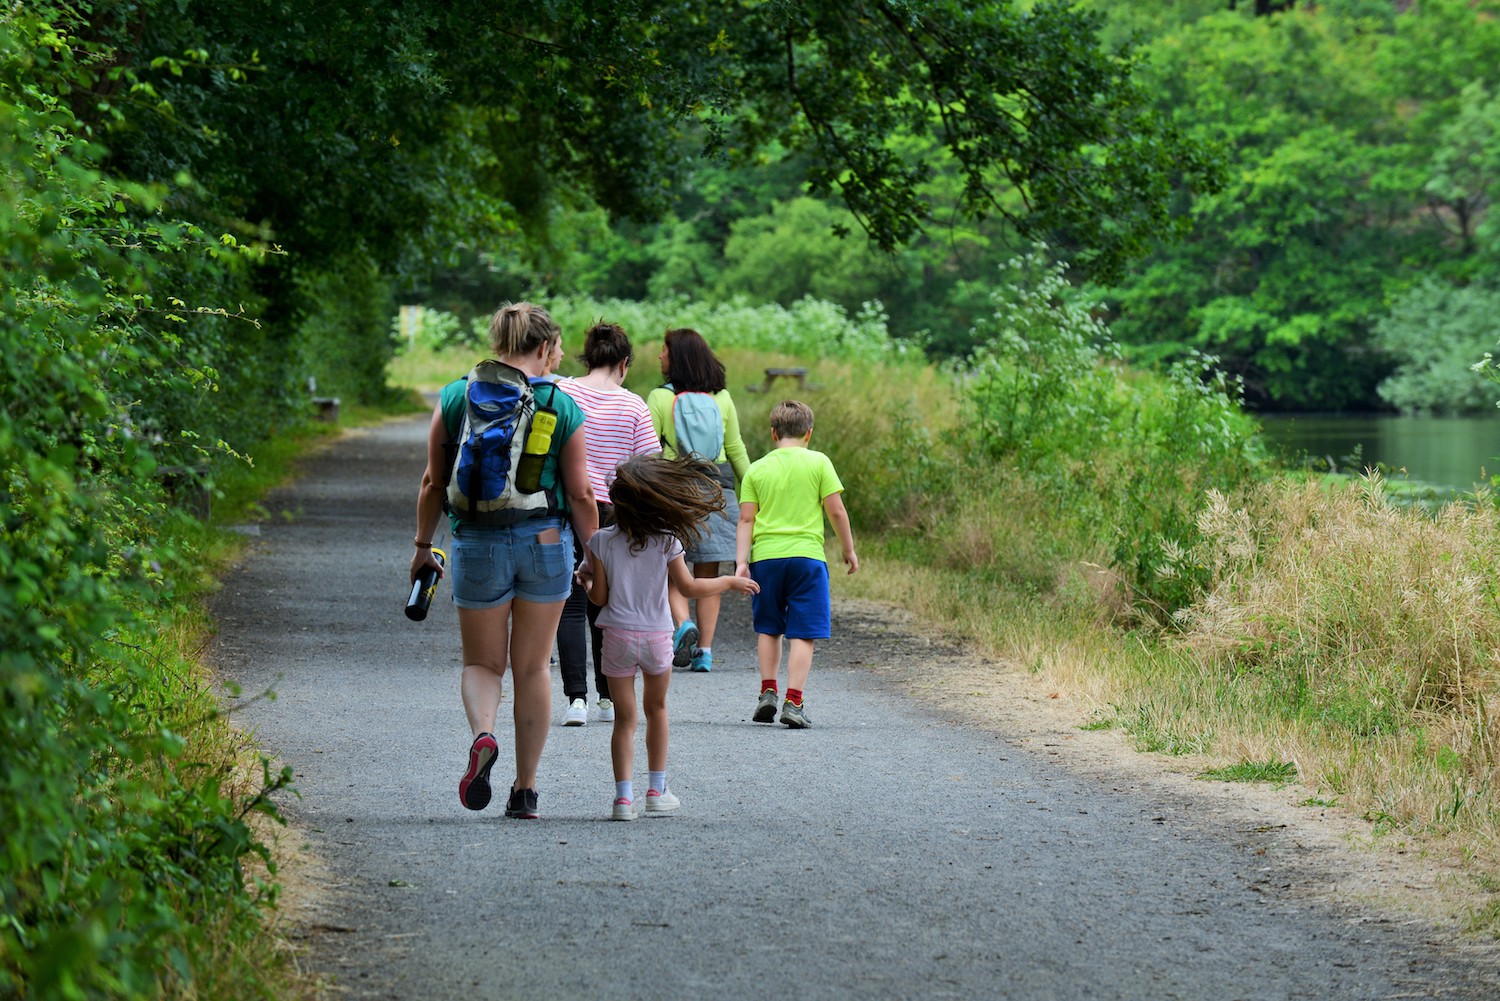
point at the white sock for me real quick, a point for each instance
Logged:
(625, 789)
(659, 781)
(706, 649)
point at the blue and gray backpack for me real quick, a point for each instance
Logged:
(698, 423)
(499, 403)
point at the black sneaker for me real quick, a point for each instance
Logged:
(522, 804)
(474, 787)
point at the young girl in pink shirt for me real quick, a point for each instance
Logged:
(659, 504)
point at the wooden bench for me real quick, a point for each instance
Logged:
(772, 374)
(326, 406)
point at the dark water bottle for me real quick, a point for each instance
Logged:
(424, 587)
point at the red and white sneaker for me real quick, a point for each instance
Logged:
(661, 802)
(474, 787)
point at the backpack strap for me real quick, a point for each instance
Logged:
(554, 506)
(665, 424)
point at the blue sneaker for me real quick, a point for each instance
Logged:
(703, 660)
(684, 642)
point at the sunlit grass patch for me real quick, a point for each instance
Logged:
(1279, 772)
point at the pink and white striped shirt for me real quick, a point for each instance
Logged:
(616, 426)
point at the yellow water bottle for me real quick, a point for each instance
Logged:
(538, 443)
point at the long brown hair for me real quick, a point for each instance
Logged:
(654, 496)
(692, 366)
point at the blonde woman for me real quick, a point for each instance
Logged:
(510, 582)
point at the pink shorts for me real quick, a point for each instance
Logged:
(627, 649)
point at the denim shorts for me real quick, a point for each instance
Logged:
(794, 599)
(493, 565)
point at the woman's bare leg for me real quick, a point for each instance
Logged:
(484, 635)
(533, 626)
(708, 608)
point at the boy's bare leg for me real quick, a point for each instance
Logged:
(768, 649)
(622, 738)
(654, 701)
(798, 663)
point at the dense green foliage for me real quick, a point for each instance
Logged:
(122, 866)
(1435, 333)
(1358, 165)
(205, 205)
(1137, 453)
(1356, 145)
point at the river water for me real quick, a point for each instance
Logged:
(1450, 452)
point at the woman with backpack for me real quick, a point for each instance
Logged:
(492, 433)
(694, 414)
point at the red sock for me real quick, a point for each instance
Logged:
(768, 686)
(794, 696)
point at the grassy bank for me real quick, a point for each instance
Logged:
(142, 858)
(1122, 535)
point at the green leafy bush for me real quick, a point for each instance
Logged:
(121, 844)
(1435, 333)
(808, 329)
(1133, 453)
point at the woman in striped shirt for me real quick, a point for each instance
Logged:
(616, 426)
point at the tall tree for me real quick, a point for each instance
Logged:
(1329, 121)
(405, 127)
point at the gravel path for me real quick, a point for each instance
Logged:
(891, 851)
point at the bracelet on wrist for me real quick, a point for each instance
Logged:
(420, 544)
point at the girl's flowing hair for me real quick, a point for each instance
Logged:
(654, 496)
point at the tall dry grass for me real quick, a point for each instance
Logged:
(1369, 628)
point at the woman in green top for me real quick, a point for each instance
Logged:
(690, 366)
(510, 581)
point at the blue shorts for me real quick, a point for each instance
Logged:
(491, 566)
(793, 599)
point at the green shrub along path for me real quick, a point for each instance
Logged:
(896, 849)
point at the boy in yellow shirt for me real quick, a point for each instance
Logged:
(779, 544)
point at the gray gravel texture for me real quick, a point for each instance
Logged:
(890, 851)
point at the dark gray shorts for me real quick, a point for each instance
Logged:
(716, 545)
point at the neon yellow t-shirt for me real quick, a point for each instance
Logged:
(787, 486)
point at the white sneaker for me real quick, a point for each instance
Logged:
(577, 714)
(661, 802)
(606, 711)
(624, 809)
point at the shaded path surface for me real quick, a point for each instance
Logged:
(888, 852)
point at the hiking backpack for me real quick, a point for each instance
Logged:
(499, 405)
(699, 424)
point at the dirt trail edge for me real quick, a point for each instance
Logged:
(918, 841)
